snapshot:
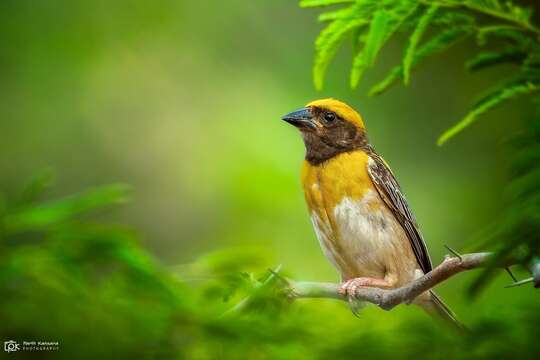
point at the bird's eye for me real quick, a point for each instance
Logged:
(329, 116)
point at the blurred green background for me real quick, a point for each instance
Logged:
(182, 101)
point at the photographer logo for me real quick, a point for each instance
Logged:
(10, 346)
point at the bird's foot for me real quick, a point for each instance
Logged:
(349, 287)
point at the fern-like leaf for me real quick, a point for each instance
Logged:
(505, 32)
(320, 3)
(452, 18)
(487, 59)
(334, 15)
(384, 24)
(436, 44)
(327, 44)
(414, 40)
(350, 19)
(487, 103)
(506, 11)
(373, 43)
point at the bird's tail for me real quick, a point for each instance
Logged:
(437, 308)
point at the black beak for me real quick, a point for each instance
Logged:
(300, 118)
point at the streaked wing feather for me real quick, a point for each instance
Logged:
(389, 190)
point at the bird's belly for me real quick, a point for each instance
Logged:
(362, 238)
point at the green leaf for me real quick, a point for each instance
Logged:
(334, 15)
(37, 217)
(374, 41)
(384, 24)
(505, 11)
(452, 19)
(487, 59)
(378, 31)
(506, 32)
(436, 44)
(415, 40)
(318, 3)
(328, 42)
(358, 36)
(487, 103)
(345, 20)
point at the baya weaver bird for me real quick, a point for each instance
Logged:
(360, 216)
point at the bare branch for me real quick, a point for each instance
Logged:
(388, 299)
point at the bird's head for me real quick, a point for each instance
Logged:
(329, 127)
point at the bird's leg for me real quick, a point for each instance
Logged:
(348, 288)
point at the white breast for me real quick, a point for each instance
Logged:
(368, 237)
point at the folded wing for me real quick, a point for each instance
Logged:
(389, 190)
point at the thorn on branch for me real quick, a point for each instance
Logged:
(286, 283)
(454, 252)
(275, 273)
(510, 273)
(521, 282)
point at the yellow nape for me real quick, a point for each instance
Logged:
(343, 110)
